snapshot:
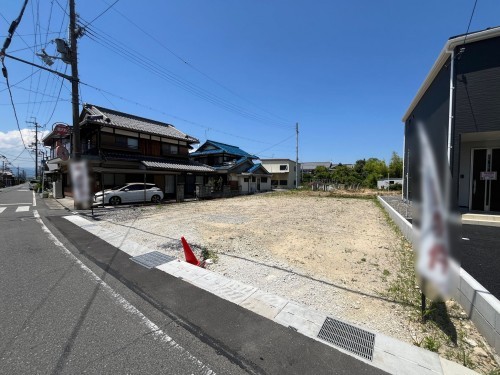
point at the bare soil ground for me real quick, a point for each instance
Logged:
(321, 249)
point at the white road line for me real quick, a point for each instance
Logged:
(14, 204)
(155, 330)
(23, 208)
(2, 209)
(34, 199)
(22, 190)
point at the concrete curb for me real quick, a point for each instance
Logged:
(480, 305)
(389, 354)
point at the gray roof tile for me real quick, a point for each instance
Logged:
(127, 121)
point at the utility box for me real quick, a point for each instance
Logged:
(57, 190)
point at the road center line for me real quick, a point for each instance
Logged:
(155, 330)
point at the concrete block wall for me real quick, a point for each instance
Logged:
(481, 306)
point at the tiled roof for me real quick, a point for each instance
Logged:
(176, 165)
(228, 149)
(256, 167)
(130, 122)
(314, 164)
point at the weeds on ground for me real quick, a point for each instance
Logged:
(209, 254)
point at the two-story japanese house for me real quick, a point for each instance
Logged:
(122, 148)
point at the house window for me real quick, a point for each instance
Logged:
(168, 149)
(245, 179)
(284, 167)
(274, 182)
(283, 182)
(126, 142)
(263, 180)
(253, 179)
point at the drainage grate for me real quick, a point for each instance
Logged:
(152, 259)
(348, 337)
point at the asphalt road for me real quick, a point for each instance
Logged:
(59, 316)
(479, 255)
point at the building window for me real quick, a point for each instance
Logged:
(253, 179)
(245, 179)
(283, 182)
(168, 149)
(263, 180)
(126, 142)
(274, 182)
(283, 167)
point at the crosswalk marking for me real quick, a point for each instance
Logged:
(22, 208)
(2, 209)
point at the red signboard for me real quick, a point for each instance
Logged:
(61, 130)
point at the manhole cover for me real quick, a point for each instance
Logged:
(152, 259)
(348, 337)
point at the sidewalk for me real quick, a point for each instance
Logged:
(346, 340)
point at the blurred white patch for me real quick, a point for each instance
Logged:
(433, 263)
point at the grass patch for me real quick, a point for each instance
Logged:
(209, 254)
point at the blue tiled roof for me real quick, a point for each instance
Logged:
(222, 147)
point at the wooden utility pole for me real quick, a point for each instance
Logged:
(297, 155)
(76, 152)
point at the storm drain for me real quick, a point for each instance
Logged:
(348, 337)
(152, 259)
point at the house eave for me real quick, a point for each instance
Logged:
(443, 57)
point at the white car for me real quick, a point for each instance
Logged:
(132, 192)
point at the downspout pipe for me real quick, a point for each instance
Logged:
(450, 109)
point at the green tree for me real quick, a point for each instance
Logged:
(396, 165)
(374, 169)
(321, 173)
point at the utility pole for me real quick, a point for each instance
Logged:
(297, 156)
(74, 80)
(36, 144)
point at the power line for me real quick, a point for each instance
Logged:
(277, 144)
(100, 14)
(167, 75)
(171, 115)
(184, 61)
(6, 75)
(470, 21)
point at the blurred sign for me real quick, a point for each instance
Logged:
(61, 130)
(488, 175)
(81, 183)
(433, 263)
(62, 153)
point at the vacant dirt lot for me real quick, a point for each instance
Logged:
(338, 255)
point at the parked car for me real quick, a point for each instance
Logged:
(32, 184)
(131, 192)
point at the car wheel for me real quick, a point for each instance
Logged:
(155, 199)
(115, 200)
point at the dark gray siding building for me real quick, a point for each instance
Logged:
(458, 105)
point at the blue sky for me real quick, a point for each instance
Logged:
(346, 72)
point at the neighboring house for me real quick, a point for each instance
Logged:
(309, 166)
(122, 148)
(235, 168)
(385, 183)
(283, 172)
(6, 178)
(458, 106)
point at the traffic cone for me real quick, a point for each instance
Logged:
(188, 253)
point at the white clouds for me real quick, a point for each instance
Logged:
(11, 144)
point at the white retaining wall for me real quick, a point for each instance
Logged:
(481, 306)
